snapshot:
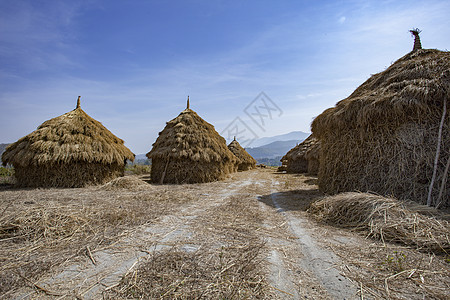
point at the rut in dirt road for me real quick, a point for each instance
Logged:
(321, 262)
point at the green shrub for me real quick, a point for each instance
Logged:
(6, 172)
(139, 169)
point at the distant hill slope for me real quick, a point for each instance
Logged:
(272, 150)
(291, 136)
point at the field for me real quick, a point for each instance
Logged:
(253, 236)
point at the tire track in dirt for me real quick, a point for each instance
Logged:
(87, 280)
(317, 260)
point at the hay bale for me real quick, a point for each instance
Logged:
(383, 137)
(303, 158)
(72, 150)
(386, 219)
(132, 183)
(189, 150)
(246, 161)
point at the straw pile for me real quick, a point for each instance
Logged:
(132, 183)
(72, 150)
(189, 150)
(303, 158)
(246, 161)
(384, 136)
(386, 219)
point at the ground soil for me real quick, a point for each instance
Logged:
(249, 236)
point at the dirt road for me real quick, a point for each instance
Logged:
(295, 264)
(248, 236)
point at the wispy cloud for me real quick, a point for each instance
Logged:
(305, 62)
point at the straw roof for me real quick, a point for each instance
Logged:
(189, 142)
(297, 160)
(71, 150)
(406, 90)
(384, 136)
(246, 161)
(71, 138)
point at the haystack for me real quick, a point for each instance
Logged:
(303, 158)
(384, 137)
(246, 161)
(72, 150)
(189, 150)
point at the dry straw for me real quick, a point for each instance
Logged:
(386, 219)
(246, 161)
(132, 183)
(303, 158)
(189, 150)
(71, 150)
(383, 137)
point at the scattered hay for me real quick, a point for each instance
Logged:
(231, 272)
(41, 229)
(132, 183)
(386, 219)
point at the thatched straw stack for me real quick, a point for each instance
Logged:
(386, 219)
(189, 150)
(246, 161)
(303, 158)
(384, 136)
(72, 150)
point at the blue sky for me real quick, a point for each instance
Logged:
(135, 62)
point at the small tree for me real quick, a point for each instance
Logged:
(415, 32)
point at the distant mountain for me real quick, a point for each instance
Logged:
(272, 150)
(140, 156)
(266, 150)
(294, 135)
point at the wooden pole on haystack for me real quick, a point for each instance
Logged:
(187, 106)
(446, 80)
(415, 33)
(78, 102)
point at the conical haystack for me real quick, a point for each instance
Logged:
(303, 158)
(384, 136)
(72, 150)
(246, 161)
(189, 150)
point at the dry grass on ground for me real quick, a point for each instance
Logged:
(408, 257)
(386, 219)
(228, 262)
(40, 229)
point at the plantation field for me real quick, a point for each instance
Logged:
(253, 236)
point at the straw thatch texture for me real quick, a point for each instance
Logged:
(189, 150)
(72, 150)
(384, 136)
(303, 158)
(246, 161)
(384, 218)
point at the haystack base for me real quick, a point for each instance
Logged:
(297, 166)
(66, 175)
(245, 166)
(181, 171)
